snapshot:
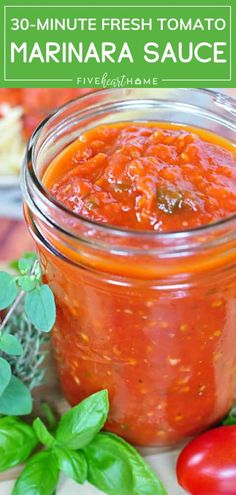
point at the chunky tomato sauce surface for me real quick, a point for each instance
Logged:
(163, 346)
(147, 176)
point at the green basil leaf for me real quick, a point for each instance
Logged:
(10, 345)
(230, 418)
(116, 467)
(16, 399)
(108, 469)
(80, 424)
(39, 477)
(40, 308)
(42, 433)
(8, 290)
(146, 481)
(17, 441)
(229, 421)
(73, 464)
(5, 375)
(26, 263)
(49, 416)
(27, 282)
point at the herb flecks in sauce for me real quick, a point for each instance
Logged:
(169, 201)
(160, 177)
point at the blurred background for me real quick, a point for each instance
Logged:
(21, 110)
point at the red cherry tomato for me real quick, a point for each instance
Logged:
(207, 465)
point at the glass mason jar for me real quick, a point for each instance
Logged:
(149, 316)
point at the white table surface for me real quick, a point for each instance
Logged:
(164, 465)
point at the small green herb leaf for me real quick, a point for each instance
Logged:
(27, 282)
(17, 441)
(230, 419)
(40, 308)
(91, 203)
(80, 424)
(16, 399)
(42, 433)
(169, 201)
(73, 464)
(26, 263)
(40, 476)
(116, 467)
(10, 345)
(122, 186)
(5, 375)
(8, 290)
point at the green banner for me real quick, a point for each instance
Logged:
(180, 44)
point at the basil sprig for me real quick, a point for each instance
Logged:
(78, 449)
(17, 441)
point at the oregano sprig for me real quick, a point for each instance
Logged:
(36, 301)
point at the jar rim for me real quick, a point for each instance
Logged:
(224, 100)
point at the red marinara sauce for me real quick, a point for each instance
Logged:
(147, 176)
(167, 357)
